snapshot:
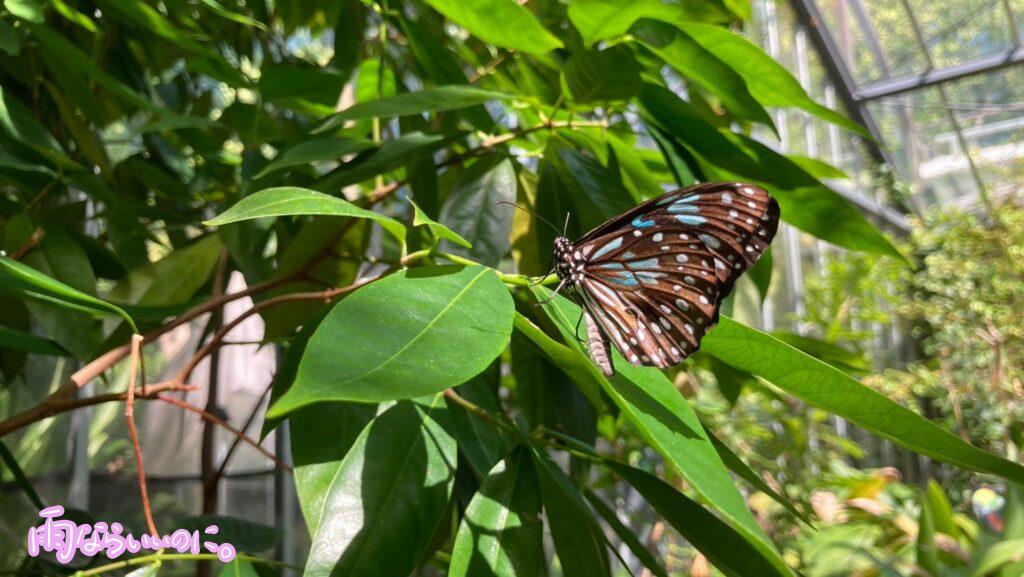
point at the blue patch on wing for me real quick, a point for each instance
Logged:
(678, 208)
(624, 278)
(691, 220)
(649, 263)
(651, 276)
(638, 222)
(607, 248)
(609, 266)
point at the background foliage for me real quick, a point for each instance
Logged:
(346, 159)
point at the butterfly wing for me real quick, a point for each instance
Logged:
(655, 276)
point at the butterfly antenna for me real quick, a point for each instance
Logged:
(565, 229)
(528, 211)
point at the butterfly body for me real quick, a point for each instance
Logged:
(651, 280)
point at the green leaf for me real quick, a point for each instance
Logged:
(438, 230)
(761, 273)
(242, 19)
(480, 442)
(26, 282)
(998, 555)
(21, 125)
(438, 99)
(238, 568)
(601, 19)
(834, 391)
(452, 323)
(471, 210)
(321, 436)
(653, 407)
(393, 154)
(732, 552)
(313, 91)
(627, 535)
(942, 511)
(501, 533)
(702, 67)
(173, 279)
(603, 75)
(578, 538)
(391, 488)
(927, 552)
(817, 168)
(31, 10)
(500, 22)
(19, 476)
(10, 42)
(15, 339)
(768, 81)
(315, 150)
(292, 200)
(831, 353)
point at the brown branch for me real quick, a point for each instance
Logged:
(216, 320)
(221, 422)
(36, 236)
(218, 337)
(129, 413)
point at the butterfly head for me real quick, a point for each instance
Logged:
(568, 262)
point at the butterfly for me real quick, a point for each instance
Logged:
(652, 279)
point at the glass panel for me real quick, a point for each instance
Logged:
(875, 37)
(990, 111)
(964, 30)
(917, 129)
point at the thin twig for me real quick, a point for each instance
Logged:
(36, 236)
(129, 413)
(210, 417)
(219, 474)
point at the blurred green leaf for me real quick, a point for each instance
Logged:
(832, 390)
(501, 531)
(391, 155)
(238, 568)
(290, 201)
(602, 75)
(315, 150)
(245, 535)
(702, 67)
(31, 10)
(601, 19)
(500, 22)
(998, 555)
(15, 339)
(392, 487)
(471, 210)
(173, 279)
(10, 41)
(437, 99)
(768, 80)
(19, 476)
(453, 323)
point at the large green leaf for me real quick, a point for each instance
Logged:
(628, 536)
(578, 538)
(833, 390)
(702, 67)
(767, 80)
(437, 99)
(500, 22)
(452, 322)
(501, 533)
(291, 200)
(653, 407)
(602, 75)
(391, 488)
(472, 212)
(601, 19)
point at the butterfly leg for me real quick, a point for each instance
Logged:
(597, 344)
(552, 297)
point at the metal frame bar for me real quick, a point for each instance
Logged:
(896, 86)
(810, 18)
